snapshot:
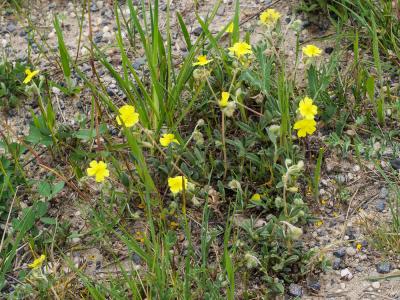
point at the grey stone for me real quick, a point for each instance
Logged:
(11, 27)
(337, 263)
(395, 163)
(295, 290)
(376, 285)
(340, 252)
(383, 193)
(94, 7)
(380, 205)
(346, 274)
(314, 286)
(221, 11)
(383, 267)
(350, 251)
(197, 31)
(98, 37)
(139, 62)
(328, 50)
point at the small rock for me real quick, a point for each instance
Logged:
(376, 285)
(328, 50)
(383, 193)
(340, 252)
(197, 31)
(221, 11)
(359, 269)
(395, 163)
(383, 267)
(11, 27)
(350, 251)
(76, 240)
(346, 274)
(295, 290)
(380, 205)
(337, 263)
(98, 37)
(340, 178)
(342, 285)
(314, 286)
(94, 8)
(138, 63)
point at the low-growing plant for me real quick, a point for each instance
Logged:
(12, 88)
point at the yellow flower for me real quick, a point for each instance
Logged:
(307, 109)
(230, 28)
(168, 138)
(139, 236)
(37, 263)
(30, 75)
(358, 246)
(202, 61)
(127, 115)
(224, 99)
(312, 51)
(173, 225)
(177, 184)
(256, 197)
(319, 223)
(240, 49)
(305, 127)
(98, 170)
(270, 17)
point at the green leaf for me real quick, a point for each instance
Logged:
(48, 221)
(44, 189)
(57, 188)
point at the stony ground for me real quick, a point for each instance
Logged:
(341, 229)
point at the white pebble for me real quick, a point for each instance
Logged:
(376, 285)
(346, 274)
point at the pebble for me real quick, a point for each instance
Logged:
(221, 11)
(315, 286)
(295, 290)
(340, 252)
(11, 27)
(138, 63)
(337, 263)
(340, 178)
(350, 251)
(383, 193)
(376, 285)
(98, 37)
(346, 274)
(395, 163)
(76, 240)
(328, 50)
(380, 205)
(197, 31)
(383, 267)
(94, 7)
